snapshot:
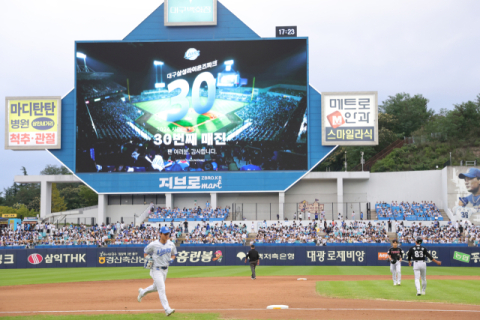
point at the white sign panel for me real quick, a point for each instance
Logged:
(350, 118)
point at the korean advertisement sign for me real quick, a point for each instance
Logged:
(32, 123)
(350, 118)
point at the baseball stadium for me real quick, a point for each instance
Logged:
(202, 176)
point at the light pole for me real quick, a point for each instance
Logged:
(362, 161)
(345, 161)
(84, 57)
(158, 84)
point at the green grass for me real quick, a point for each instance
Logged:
(158, 108)
(449, 291)
(143, 316)
(10, 277)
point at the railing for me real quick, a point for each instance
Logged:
(379, 156)
(297, 211)
(142, 217)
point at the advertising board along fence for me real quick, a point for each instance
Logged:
(229, 255)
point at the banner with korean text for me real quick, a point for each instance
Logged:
(350, 118)
(230, 255)
(32, 123)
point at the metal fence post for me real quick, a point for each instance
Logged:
(256, 217)
(270, 211)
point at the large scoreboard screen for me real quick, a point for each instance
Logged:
(191, 106)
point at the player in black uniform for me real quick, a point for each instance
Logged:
(418, 253)
(395, 254)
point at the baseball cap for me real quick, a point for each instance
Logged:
(471, 173)
(419, 240)
(165, 230)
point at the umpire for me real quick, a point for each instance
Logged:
(254, 258)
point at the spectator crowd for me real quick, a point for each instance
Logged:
(217, 233)
(206, 213)
(69, 235)
(324, 233)
(451, 233)
(422, 211)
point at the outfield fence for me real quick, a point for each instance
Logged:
(222, 255)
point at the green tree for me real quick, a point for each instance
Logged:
(411, 112)
(89, 196)
(58, 202)
(54, 170)
(34, 204)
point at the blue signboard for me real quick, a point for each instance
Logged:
(226, 255)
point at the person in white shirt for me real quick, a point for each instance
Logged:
(308, 215)
(163, 253)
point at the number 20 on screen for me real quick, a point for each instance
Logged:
(182, 100)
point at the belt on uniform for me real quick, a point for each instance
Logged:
(163, 268)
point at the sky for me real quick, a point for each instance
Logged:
(427, 47)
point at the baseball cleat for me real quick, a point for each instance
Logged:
(394, 283)
(398, 283)
(140, 295)
(423, 293)
(170, 312)
(418, 293)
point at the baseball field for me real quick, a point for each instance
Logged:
(229, 293)
(214, 121)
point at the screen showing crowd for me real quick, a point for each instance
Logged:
(191, 106)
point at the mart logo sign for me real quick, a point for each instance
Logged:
(460, 256)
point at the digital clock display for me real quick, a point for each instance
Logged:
(286, 31)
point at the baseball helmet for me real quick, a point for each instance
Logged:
(419, 240)
(165, 230)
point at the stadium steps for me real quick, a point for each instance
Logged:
(250, 238)
(391, 235)
(180, 240)
(373, 215)
(379, 156)
(444, 215)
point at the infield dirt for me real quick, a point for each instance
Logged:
(246, 299)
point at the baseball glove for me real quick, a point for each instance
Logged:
(393, 261)
(148, 264)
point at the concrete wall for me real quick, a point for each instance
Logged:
(188, 200)
(115, 212)
(405, 186)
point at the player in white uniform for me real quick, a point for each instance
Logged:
(163, 253)
(419, 253)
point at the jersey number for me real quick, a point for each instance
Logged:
(418, 254)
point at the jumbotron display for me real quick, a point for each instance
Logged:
(191, 106)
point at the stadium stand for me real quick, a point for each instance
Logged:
(424, 211)
(97, 88)
(436, 234)
(217, 234)
(195, 214)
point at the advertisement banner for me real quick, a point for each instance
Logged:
(32, 123)
(463, 188)
(218, 255)
(188, 13)
(350, 118)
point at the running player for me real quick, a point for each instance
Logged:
(163, 253)
(395, 254)
(419, 253)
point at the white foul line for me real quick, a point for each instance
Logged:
(245, 309)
